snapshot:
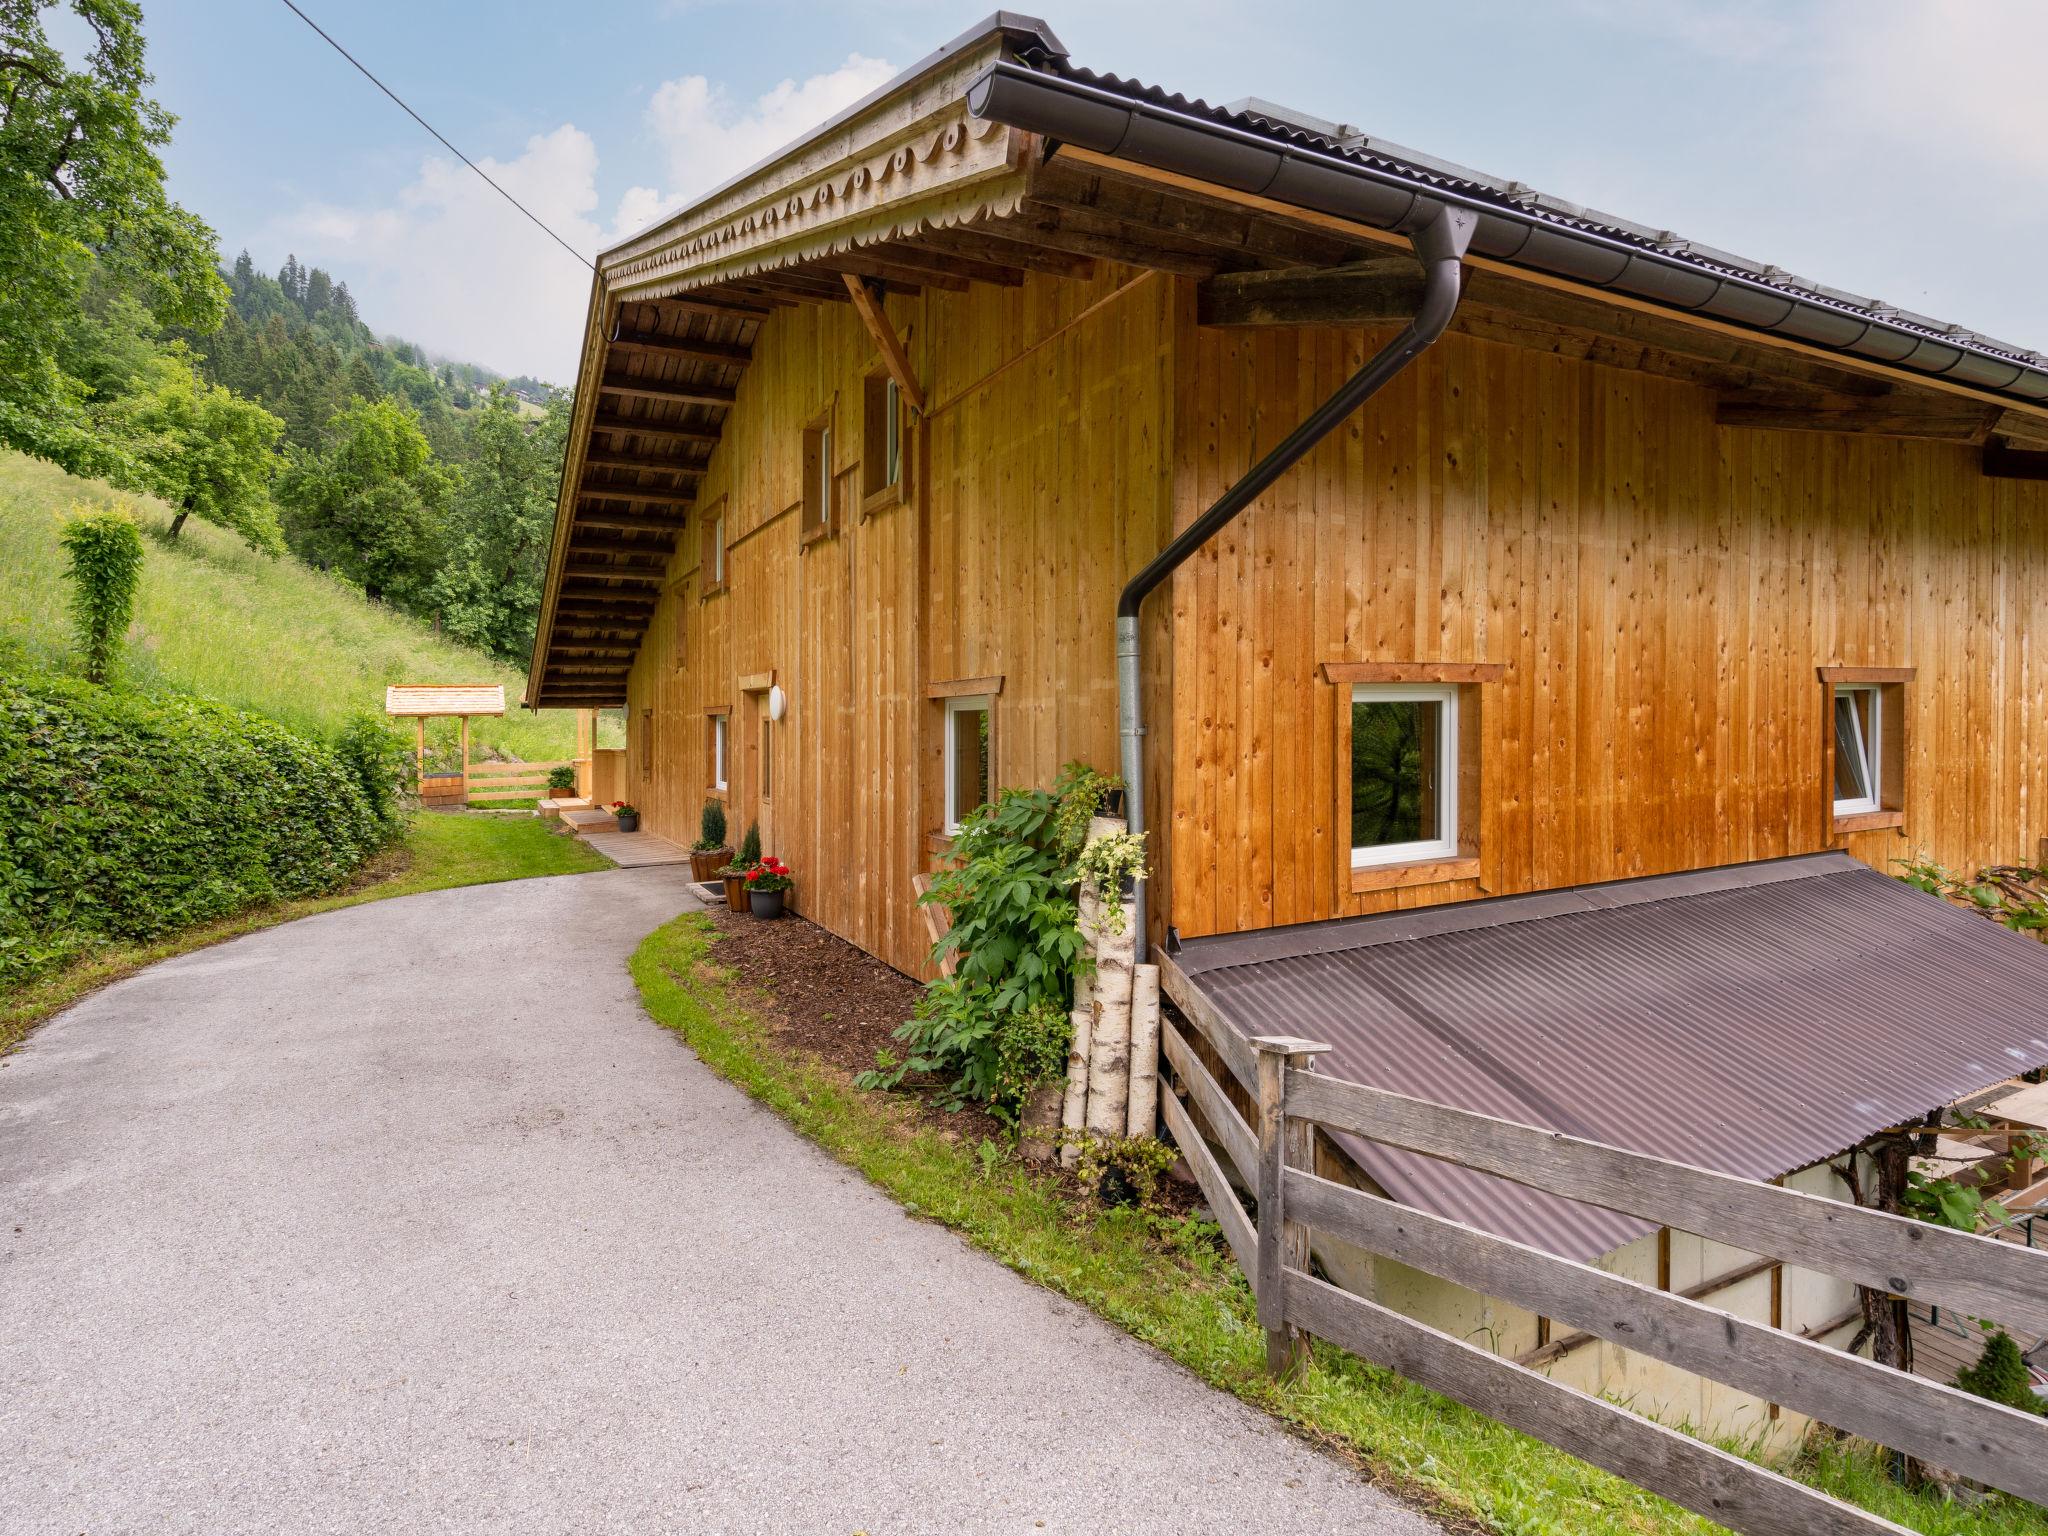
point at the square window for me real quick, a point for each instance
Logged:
(968, 723)
(720, 747)
(1404, 773)
(1859, 749)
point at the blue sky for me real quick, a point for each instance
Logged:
(1883, 146)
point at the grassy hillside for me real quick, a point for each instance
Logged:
(216, 619)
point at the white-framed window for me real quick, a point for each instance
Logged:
(968, 724)
(721, 748)
(1404, 773)
(1859, 748)
(717, 550)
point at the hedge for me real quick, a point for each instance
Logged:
(126, 816)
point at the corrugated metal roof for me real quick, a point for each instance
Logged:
(444, 699)
(1283, 126)
(1753, 1019)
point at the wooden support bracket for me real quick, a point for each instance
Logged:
(894, 358)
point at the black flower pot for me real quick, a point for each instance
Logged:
(629, 821)
(766, 903)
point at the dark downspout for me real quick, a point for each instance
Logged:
(1440, 246)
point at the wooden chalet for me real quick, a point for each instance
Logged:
(888, 421)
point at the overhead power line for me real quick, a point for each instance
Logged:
(458, 154)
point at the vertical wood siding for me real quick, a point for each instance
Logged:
(1031, 498)
(1660, 590)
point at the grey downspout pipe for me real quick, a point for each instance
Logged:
(1440, 243)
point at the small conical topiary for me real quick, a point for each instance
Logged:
(711, 827)
(2000, 1374)
(750, 847)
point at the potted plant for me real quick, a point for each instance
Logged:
(710, 853)
(735, 873)
(627, 816)
(766, 883)
(562, 783)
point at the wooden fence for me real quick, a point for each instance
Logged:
(511, 781)
(1272, 1155)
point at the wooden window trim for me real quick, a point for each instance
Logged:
(1464, 672)
(949, 705)
(873, 442)
(1470, 678)
(713, 565)
(816, 467)
(965, 687)
(1889, 683)
(712, 717)
(758, 682)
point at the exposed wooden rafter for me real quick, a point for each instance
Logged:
(644, 522)
(1940, 418)
(605, 421)
(639, 494)
(668, 464)
(689, 391)
(588, 570)
(681, 346)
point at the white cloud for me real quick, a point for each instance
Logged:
(450, 264)
(1944, 83)
(707, 139)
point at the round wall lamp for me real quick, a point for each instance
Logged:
(778, 703)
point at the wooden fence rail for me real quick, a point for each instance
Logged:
(511, 781)
(1272, 1160)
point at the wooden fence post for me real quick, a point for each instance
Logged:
(1283, 1144)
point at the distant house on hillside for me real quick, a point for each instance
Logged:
(1659, 561)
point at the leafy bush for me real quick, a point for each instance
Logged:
(125, 816)
(996, 1028)
(2000, 1374)
(710, 828)
(561, 781)
(2015, 895)
(377, 760)
(750, 847)
(106, 567)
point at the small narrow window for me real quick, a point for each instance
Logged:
(1404, 756)
(683, 611)
(1859, 749)
(711, 553)
(719, 748)
(646, 741)
(817, 479)
(767, 758)
(881, 449)
(967, 757)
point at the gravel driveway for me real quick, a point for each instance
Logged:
(405, 1218)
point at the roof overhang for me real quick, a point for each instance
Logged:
(1753, 1019)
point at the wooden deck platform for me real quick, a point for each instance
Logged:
(588, 822)
(631, 850)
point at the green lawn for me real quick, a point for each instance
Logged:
(1170, 1283)
(217, 619)
(438, 851)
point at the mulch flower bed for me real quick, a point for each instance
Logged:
(834, 1002)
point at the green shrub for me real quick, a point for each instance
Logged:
(997, 1027)
(2000, 1374)
(378, 760)
(105, 551)
(126, 816)
(750, 847)
(561, 781)
(710, 828)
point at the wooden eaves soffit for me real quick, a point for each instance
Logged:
(675, 311)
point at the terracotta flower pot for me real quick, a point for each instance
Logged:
(766, 903)
(705, 864)
(736, 893)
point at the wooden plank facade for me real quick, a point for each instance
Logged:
(1633, 539)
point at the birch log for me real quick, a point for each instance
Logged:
(1080, 1044)
(1144, 1105)
(1109, 1055)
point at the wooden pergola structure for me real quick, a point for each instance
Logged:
(421, 702)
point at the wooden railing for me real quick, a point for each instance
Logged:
(512, 781)
(1272, 1156)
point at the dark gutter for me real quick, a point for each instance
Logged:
(1189, 142)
